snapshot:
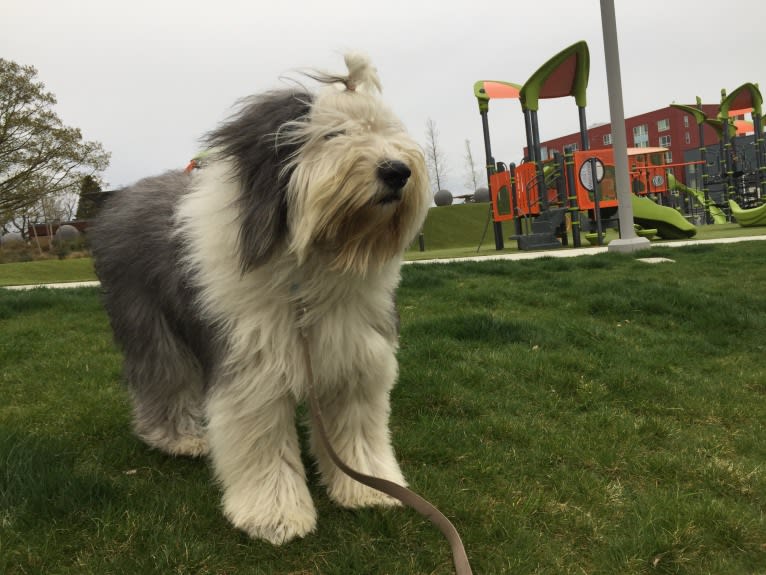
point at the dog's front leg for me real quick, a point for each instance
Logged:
(356, 418)
(256, 456)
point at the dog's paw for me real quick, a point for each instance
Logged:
(351, 494)
(277, 525)
(191, 446)
(177, 445)
(280, 532)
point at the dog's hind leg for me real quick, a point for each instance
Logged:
(166, 385)
(151, 305)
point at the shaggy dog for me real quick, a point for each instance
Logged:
(295, 224)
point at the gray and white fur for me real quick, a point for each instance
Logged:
(307, 202)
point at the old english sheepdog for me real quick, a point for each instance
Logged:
(306, 202)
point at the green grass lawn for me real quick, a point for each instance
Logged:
(582, 415)
(47, 271)
(449, 232)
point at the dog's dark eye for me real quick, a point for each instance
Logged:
(335, 134)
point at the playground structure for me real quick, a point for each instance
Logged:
(575, 192)
(737, 173)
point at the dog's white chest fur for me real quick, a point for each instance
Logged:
(348, 318)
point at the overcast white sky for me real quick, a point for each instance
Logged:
(147, 78)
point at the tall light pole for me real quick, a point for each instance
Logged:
(629, 241)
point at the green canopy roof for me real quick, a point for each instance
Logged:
(566, 74)
(699, 115)
(747, 96)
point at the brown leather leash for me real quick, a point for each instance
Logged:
(406, 496)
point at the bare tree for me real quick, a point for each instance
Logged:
(435, 159)
(471, 175)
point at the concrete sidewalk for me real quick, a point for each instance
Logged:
(54, 286)
(562, 253)
(574, 252)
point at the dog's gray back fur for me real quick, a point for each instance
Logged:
(170, 350)
(150, 302)
(137, 254)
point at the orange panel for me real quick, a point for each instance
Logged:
(527, 199)
(605, 173)
(500, 189)
(648, 173)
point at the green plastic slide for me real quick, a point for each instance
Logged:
(748, 218)
(670, 224)
(715, 212)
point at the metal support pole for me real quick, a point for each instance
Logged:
(585, 143)
(497, 226)
(759, 167)
(542, 192)
(703, 159)
(574, 209)
(515, 200)
(528, 132)
(584, 140)
(727, 162)
(629, 241)
(561, 192)
(597, 202)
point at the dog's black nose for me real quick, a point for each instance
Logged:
(394, 173)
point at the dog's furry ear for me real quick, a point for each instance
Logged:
(260, 140)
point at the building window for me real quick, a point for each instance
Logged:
(664, 141)
(543, 153)
(686, 121)
(687, 138)
(570, 148)
(663, 125)
(668, 157)
(641, 136)
(608, 139)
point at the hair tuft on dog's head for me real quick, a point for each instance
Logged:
(361, 73)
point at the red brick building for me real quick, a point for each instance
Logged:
(667, 127)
